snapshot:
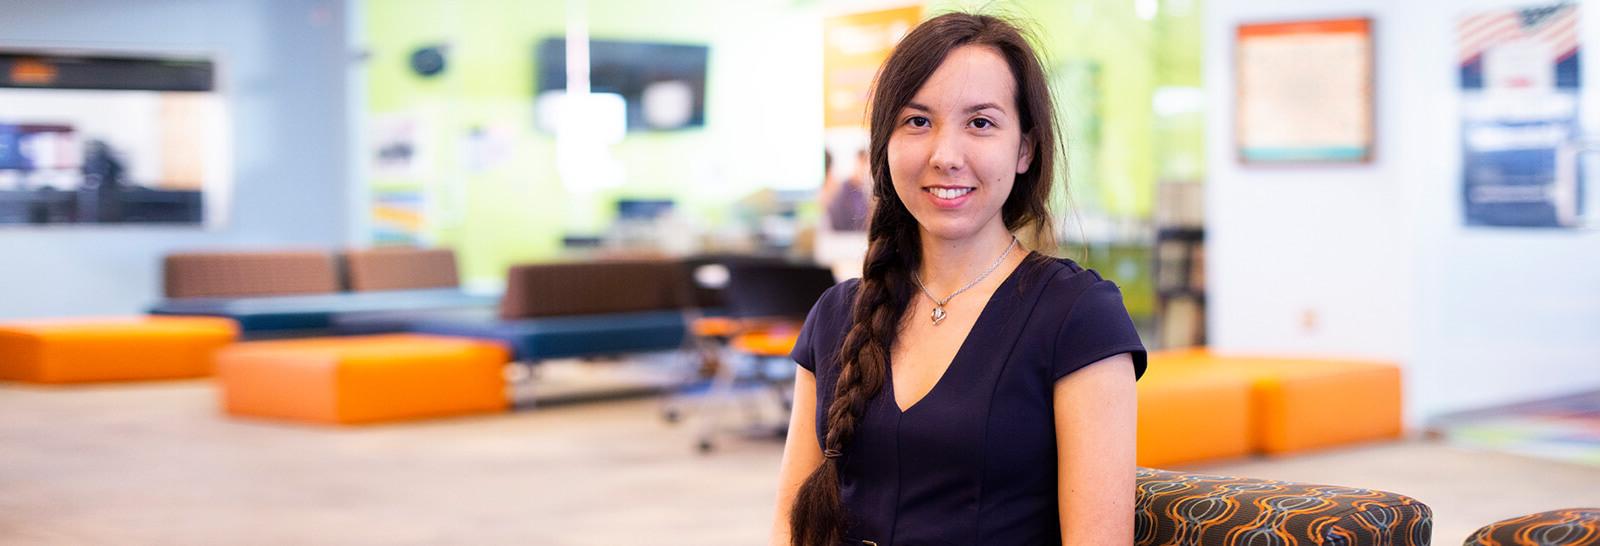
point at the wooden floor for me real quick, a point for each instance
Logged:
(157, 464)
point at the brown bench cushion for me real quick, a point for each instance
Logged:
(401, 268)
(243, 274)
(583, 288)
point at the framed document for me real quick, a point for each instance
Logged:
(1304, 92)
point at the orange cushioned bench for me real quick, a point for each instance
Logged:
(111, 349)
(1186, 416)
(363, 379)
(770, 343)
(1300, 404)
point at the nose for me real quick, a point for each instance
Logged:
(947, 157)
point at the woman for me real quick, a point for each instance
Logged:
(964, 390)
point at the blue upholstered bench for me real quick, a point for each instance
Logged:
(275, 316)
(534, 339)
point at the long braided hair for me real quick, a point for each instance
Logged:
(818, 517)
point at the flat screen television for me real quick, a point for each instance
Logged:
(663, 85)
(108, 138)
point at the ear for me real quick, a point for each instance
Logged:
(1025, 153)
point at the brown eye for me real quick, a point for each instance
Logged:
(917, 121)
(982, 123)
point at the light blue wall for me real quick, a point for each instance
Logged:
(283, 69)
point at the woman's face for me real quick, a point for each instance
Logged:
(958, 146)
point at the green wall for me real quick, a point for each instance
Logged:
(763, 108)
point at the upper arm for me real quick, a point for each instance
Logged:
(1095, 420)
(801, 452)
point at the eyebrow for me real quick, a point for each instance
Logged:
(970, 109)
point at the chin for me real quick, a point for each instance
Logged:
(949, 230)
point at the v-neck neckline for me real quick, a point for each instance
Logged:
(894, 395)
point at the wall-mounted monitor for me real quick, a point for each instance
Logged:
(662, 85)
(99, 138)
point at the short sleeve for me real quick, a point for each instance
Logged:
(1096, 328)
(804, 352)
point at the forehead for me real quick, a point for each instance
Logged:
(969, 75)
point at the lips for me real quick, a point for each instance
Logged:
(948, 196)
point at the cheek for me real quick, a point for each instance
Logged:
(904, 167)
(1002, 192)
(999, 170)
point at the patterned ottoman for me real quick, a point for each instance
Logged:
(1181, 509)
(111, 349)
(363, 379)
(1568, 527)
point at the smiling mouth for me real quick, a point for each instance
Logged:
(946, 192)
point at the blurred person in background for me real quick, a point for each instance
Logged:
(841, 236)
(847, 202)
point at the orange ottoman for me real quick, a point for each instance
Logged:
(363, 379)
(771, 343)
(1186, 416)
(1300, 404)
(111, 349)
(716, 327)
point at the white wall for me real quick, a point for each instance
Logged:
(283, 71)
(1378, 252)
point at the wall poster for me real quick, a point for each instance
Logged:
(1519, 80)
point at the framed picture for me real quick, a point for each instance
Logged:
(1304, 92)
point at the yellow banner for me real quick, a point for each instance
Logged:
(854, 45)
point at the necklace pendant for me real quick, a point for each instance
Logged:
(938, 314)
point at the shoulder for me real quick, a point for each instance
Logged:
(1089, 318)
(1065, 281)
(1072, 293)
(838, 298)
(821, 331)
(832, 311)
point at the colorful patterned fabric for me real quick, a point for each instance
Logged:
(1182, 509)
(1568, 527)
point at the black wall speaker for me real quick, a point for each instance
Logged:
(428, 61)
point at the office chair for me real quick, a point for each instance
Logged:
(766, 301)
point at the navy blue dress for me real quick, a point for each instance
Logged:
(973, 461)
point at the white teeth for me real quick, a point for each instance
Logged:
(949, 193)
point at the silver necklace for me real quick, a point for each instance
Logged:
(938, 305)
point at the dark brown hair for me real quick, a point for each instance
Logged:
(894, 247)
